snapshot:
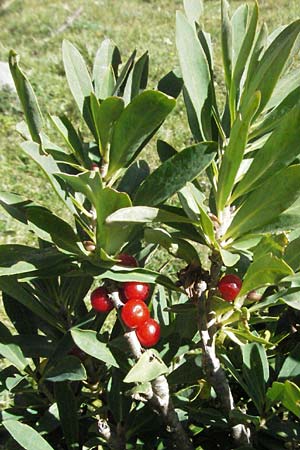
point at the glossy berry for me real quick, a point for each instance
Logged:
(127, 260)
(134, 313)
(136, 290)
(149, 333)
(229, 287)
(100, 300)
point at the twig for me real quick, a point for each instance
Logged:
(211, 363)
(113, 439)
(159, 395)
(68, 22)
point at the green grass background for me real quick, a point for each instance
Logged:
(31, 27)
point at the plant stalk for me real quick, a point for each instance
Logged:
(159, 395)
(211, 364)
(113, 439)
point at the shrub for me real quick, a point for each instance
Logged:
(225, 372)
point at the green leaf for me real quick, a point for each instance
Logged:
(292, 298)
(234, 152)
(26, 436)
(179, 248)
(133, 177)
(88, 342)
(174, 173)
(49, 167)
(149, 366)
(273, 119)
(266, 203)
(291, 398)
(226, 37)
(111, 237)
(292, 252)
(107, 56)
(246, 335)
(291, 366)
(195, 72)
(137, 79)
(105, 115)
(287, 84)
(269, 243)
(258, 49)
(171, 84)
(27, 98)
(144, 275)
(245, 43)
(270, 67)
(88, 183)
(70, 136)
(56, 229)
(229, 259)
(145, 214)
(121, 80)
(274, 394)
(264, 271)
(21, 259)
(67, 368)
(137, 122)
(67, 409)
(165, 150)
(77, 74)
(280, 150)
(239, 27)
(255, 372)
(19, 292)
(193, 9)
(11, 351)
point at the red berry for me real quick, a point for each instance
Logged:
(100, 300)
(136, 290)
(127, 260)
(229, 287)
(149, 333)
(134, 313)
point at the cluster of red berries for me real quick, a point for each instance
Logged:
(135, 313)
(229, 287)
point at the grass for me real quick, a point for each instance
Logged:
(32, 28)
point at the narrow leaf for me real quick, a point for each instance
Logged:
(105, 115)
(148, 367)
(193, 10)
(26, 436)
(67, 409)
(195, 71)
(67, 368)
(280, 150)
(226, 37)
(49, 167)
(174, 173)
(270, 67)
(137, 122)
(266, 203)
(77, 74)
(27, 98)
(144, 214)
(87, 341)
(107, 55)
(234, 152)
(264, 271)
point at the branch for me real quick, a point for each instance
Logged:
(211, 363)
(159, 396)
(113, 439)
